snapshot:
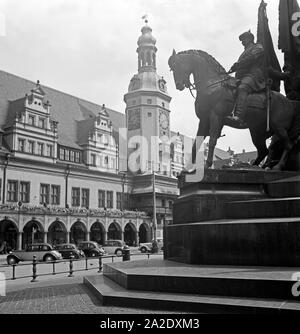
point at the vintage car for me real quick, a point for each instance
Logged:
(91, 249)
(68, 250)
(146, 247)
(43, 252)
(114, 247)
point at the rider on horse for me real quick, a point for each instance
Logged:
(250, 72)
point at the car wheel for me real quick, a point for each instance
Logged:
(119, 252)
(144, 250)
(49, 258)
(93, 254)
(11, 260)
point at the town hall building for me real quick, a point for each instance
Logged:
(62, 159)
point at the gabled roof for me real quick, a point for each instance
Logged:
(66, 109)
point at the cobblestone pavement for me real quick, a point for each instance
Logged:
(60, 299)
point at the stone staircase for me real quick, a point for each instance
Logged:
(167, 285)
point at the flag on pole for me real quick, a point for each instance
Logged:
(264, 37)
(287, 41)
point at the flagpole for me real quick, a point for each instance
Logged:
(154, 205)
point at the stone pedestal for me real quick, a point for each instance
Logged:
(237, 217)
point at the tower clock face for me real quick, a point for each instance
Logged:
(164, 121)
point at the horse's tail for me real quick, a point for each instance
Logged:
(294, 132)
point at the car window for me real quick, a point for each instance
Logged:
(44, 248)
(92, 246)
(34, 248)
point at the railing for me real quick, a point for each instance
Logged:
(70, 271)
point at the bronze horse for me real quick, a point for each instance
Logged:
(215, 102)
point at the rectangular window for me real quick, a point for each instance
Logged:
(40, 149)
(119, 201)
(12, 191)
(72, 156)
(126, 202)
(44, 194)
(67, 155)
(31, 147)
(31, 120)
(75, 197)
(110, 199)
(22, 145)
(61, 154)
(50, 151)
(101, 199)
(42, 123)
(93, 160)
(85, 198)
(77, 157)
(55, 195)
(24, 192)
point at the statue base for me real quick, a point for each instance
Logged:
(237, 217)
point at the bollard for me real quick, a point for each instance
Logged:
(71, 266)
(34, 264)
(53, 264)
(148, 256)
(14, 272)
(126, 253)
(100, 264)
(86, 264)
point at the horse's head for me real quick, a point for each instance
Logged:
(181, 70)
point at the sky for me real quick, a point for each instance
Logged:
(87, 48)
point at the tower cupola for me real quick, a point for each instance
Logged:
(146, 50)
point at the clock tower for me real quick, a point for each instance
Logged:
(147, 110)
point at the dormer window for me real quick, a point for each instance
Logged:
(31, 120)
(31, 147)
(40, 149)
(50, 151)
(93, 160)
(41, 122)
(22, 145)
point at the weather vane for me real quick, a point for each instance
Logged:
(145, 17)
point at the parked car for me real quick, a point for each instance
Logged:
(67, 250)
(91, 249)
(114, 247)
(43, 252)
(146, 247)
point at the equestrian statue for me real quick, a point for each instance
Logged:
(244, 101)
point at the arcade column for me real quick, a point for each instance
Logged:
(19, 241)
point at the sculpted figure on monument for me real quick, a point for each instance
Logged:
(249, 73)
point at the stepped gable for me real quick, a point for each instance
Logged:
(66, 108)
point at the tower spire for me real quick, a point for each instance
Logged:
(146, 49)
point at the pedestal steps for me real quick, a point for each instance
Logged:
(263, 208)
(167, 285)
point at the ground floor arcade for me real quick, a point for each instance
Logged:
(18, 233)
